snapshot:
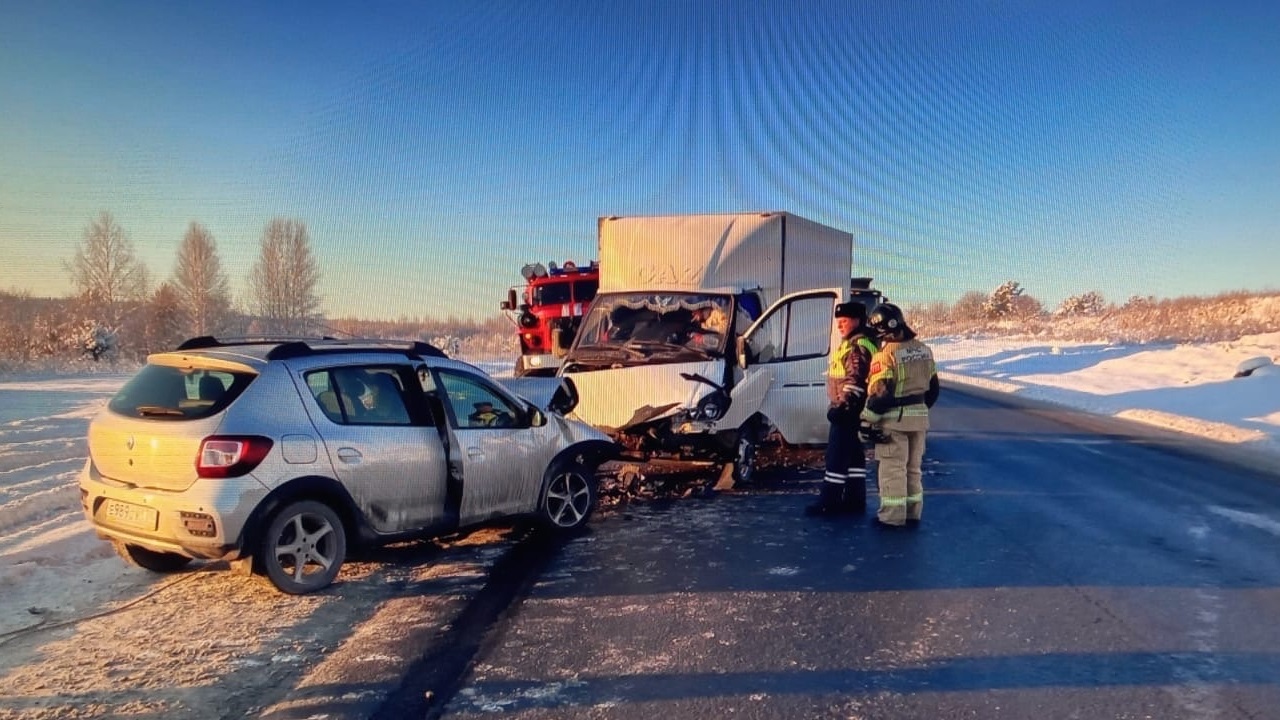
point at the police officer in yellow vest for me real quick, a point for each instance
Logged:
(844, 482)
(901, 387)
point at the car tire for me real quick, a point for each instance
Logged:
(303, 548)
(568, 497)
(153, 560)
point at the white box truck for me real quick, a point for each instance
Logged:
(709, 333)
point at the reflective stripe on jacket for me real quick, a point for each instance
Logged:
(847, 372)
(900, 376)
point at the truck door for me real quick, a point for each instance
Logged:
(785, 355)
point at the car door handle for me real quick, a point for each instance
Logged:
(475, 452)
(349, 455)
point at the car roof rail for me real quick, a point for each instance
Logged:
(292, 347)
(209, 341)
(414, 349)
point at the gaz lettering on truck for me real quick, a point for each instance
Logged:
(670, 274)
(548, 312)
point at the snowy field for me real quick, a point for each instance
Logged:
(52, 568)
(1189, 388)
(49, 559)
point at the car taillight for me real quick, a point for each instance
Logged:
(225, 456)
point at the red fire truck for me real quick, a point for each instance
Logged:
(548, 313)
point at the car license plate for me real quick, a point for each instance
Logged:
(132, 515)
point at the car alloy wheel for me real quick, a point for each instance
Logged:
(569, 497)
(304, 547)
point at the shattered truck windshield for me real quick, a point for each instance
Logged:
(650, 324)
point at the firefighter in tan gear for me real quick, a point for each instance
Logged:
(844, 482)
(901, 387)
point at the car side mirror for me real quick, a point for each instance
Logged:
(536, 418)
(565, 398)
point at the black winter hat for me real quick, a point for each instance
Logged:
(855, 310)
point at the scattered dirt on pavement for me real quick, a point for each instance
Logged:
(211, 644)
(208, 643)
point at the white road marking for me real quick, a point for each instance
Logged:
(1196, 690)
(1262, 522)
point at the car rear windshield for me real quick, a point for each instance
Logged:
(161, 392)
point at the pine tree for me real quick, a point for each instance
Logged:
(1001, 303)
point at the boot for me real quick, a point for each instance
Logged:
(828, 502)
(853, 496)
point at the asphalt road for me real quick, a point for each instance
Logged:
(1067, 567)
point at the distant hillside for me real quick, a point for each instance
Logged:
(494, 337)
(1183, 320)
(45, 335)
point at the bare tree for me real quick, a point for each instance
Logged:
(16, 316)
(1026, 307)
(202, 288)
(104, 269)
(282, 284)
(166, 318)
(969, 306)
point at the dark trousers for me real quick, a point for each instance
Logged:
(845, 461)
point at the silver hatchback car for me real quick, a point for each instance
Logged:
(282, 454)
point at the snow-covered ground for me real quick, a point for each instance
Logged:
(50, 562)
(1189, 388)
(54, 571)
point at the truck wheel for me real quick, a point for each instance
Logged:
(568, 497)
(153, 560)
(744, 458)
(304, 547)
(742, 454)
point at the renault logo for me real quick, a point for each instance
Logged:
(129, 443)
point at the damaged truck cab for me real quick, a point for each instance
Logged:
(710, 333)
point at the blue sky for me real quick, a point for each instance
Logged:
(434, 148)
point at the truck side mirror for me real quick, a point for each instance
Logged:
(742, 350)
(510, 302)
(561, 340)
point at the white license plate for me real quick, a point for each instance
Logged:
(133, 515)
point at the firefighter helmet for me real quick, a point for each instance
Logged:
(887, 319)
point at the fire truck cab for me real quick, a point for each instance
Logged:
(547, 311)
